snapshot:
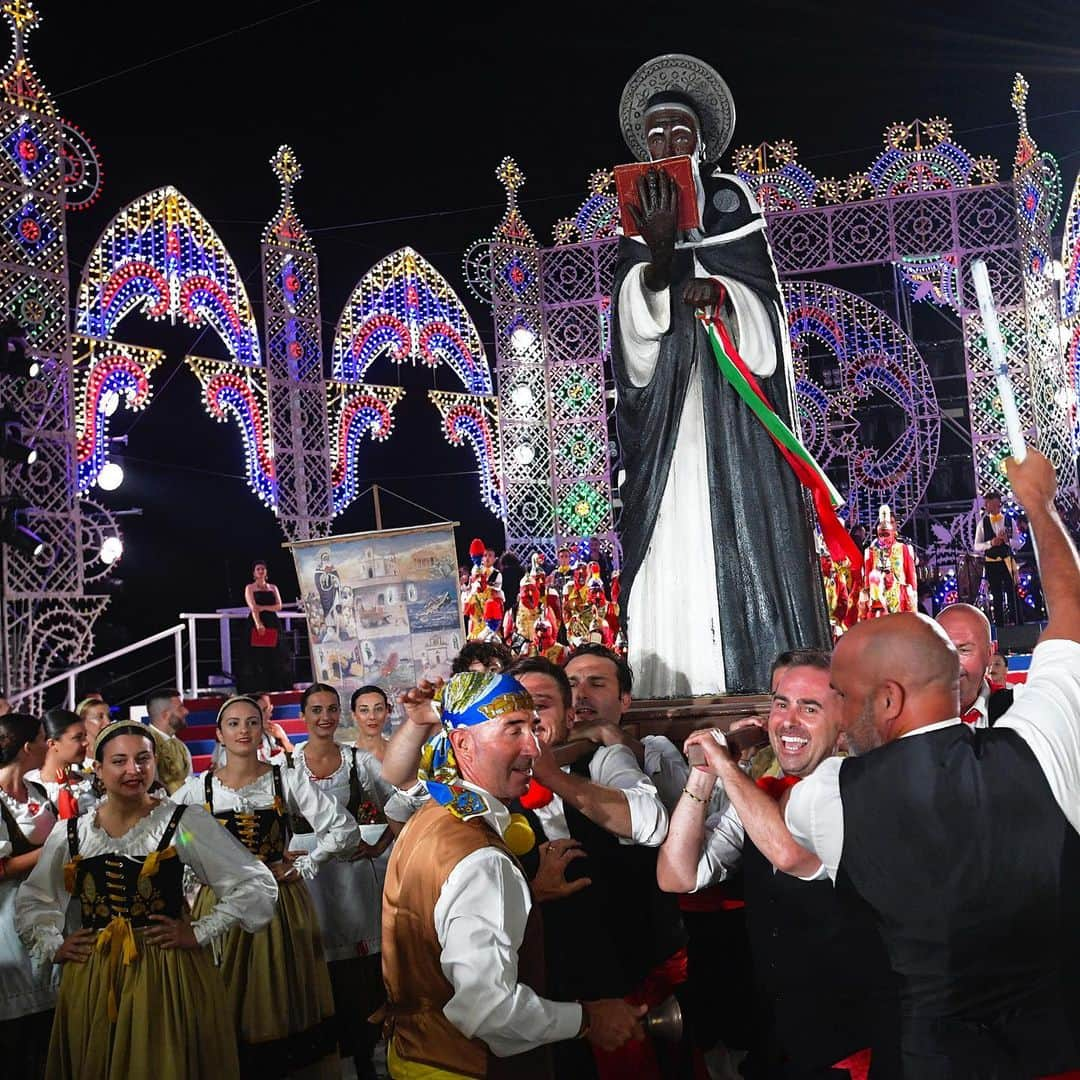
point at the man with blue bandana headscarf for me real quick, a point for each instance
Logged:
(462, 955)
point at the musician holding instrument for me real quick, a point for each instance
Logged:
(995, 538)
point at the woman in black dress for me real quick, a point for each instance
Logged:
(264, 602)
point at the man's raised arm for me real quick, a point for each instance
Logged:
(1034, 485)
(402, 754)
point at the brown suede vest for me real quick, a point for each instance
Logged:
(432, 844)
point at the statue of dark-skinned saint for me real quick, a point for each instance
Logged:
(719, 573)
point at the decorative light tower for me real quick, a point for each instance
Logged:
(47, 619)
(293, 328)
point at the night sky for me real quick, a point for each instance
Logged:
(400, 117)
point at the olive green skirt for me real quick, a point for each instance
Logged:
(278, 989)
(171, 1021)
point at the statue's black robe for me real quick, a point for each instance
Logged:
(769, 586)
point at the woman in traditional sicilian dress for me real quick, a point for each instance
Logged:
(70, 789)
(139, 994)
(26, 819)
(348, 894)
(278, 985)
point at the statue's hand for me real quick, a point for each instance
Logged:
(702, 292)
(656, 218)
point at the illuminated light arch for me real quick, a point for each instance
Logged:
(873, 355)
(404, 309)
(1070, 302)
(474, 419)
(105, 374)
(356, 411)
(161, 253)
(239, 391)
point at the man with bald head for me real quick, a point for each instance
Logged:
(963, 841)
(969, 631)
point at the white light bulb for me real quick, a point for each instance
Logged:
(1065, 398)
(522, 396)
(524, 454)
(521, 339)
(112, 547)
(110, 477)
(109, 403)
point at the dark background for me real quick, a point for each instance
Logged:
(400, 116)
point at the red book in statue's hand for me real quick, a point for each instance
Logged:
(678, 168)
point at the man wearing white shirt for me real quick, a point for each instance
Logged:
(994, 538)
(600, 822)
(969, 630)
(461, 955)
(822, 991)
(963, 842)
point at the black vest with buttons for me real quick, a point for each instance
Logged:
(263, 832)
(955, 840)
(111, 885)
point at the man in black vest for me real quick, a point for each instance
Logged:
(824, 991)
(969, 630)
(963, 842)
(994, 538)
(602, 825)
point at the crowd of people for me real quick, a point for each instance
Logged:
(876, 883)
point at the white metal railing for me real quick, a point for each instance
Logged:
(175, 632)
(224, 617)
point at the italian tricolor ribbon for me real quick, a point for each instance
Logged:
(809, 473)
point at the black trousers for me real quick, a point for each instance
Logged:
(1002, 588)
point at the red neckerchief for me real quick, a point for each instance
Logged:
(775, 786)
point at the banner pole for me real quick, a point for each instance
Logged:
(378, 507)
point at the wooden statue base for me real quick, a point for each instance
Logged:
(677, 717)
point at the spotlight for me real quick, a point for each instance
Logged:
(111, 476)
(521, 339)
(39, 368)
(13, 450)
(112, 547)
(522, 395)
(21, 538)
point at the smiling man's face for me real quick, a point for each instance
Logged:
(804, 721)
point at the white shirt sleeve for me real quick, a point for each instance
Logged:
(41, 901)
(666, 767)
(616, 767)
(981, 543)
(245, 889)
(335, 827)
(722, 853)
(404, 802)
(815, 816)
(1047, 718)
(480, 921)
(644, 318)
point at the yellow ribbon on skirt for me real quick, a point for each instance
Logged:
(118, 939)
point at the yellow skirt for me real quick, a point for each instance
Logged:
(278, 989)
(171, 1021)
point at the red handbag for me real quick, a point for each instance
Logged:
(266, 638)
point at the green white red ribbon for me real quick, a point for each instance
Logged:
(809, 473)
